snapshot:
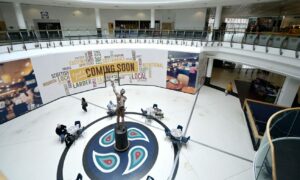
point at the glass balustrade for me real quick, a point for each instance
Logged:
(256, 39)
(278, 156)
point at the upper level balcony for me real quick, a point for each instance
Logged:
(278, 53)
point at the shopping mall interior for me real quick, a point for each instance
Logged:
(150, 89)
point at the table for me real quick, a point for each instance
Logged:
(177, 133)
(174, 84)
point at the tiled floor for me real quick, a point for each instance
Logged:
(220, 145)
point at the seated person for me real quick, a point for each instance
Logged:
(158, 112)
(111, 108)
(153, 111)
(61, 131)
(75, 130)
(148, 112)
(73, 133)
(176, 135)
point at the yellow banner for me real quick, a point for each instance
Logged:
(85, 73)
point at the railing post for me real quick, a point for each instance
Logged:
(128, 33)
(35, 38)
(24, 46)
(297, 50)
(69, 37)
(267, 45)
(11, 43)
(88, 36)
(207, 40)
(254, 42)
(213, 38)
(243, 39)
(20, 33)
(281, 45)
(231, 40)
(48, 36)
(59, 36)
(79, 37)
(201, 38)
(220, 38)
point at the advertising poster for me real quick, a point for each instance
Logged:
(202, 69)
(19, 90)
(182, 71)
(69, 73)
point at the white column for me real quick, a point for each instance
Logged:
(218, 17)
(288, 91)
(19, 15)
(209, 67)
(152, 25)
(98, 18)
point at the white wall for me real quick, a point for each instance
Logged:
(190, 18)
(70, 18)
(110, 15)
(1, 17)
(84, 18)
(182, 18)
(8, 15)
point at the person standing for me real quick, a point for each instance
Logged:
(228, 88)
(84, 104)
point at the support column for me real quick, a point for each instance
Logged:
(218, 17)
(209, 71)
(19, 15)
(288, 91)
(98, 22)
(21, 23)
(152, 24)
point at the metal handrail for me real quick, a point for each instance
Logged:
(58, 34)
(268, 130)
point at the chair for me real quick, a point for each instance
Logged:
(20, 109)
(185, 140)
(77, 123)
(149, 178)
(79, 177)
(69, 139)
(168, 133)
(179, 127)
(184, 79)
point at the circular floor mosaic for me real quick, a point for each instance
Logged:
(102, 161)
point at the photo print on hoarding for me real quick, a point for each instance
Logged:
(182, 71)
(19, 91)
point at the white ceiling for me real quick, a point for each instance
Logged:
(140, 4)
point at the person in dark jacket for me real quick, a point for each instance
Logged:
(84, 104)
(61, 131)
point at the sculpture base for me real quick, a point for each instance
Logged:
(121, 141)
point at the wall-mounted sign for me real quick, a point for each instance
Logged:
(44, 14)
